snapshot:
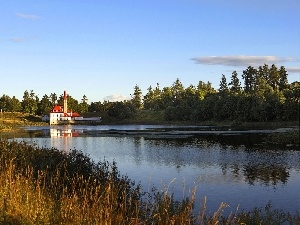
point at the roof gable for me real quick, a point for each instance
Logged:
(57, 108)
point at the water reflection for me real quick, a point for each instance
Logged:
(232, 168)
(57, 133)
(266, 174)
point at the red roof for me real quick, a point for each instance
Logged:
(60, 109)
(75, 114)
(57, 108)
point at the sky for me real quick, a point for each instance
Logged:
(103, 49)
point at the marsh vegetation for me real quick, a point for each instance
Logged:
(47, 186)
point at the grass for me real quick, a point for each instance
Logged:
(46, 186)
(13, 120)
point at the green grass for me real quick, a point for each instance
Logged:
(47, 186)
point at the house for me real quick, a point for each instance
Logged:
(45, 118)
(61, 115)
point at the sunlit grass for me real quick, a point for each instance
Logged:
(46, 186)
(12, 120)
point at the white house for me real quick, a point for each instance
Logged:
(61, 115)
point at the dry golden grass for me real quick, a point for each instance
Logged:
(69, 193)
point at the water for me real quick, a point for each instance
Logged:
(224, 165)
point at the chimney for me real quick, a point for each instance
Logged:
(65, 103)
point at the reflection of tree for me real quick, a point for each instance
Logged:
(138, 145)
(266, 174)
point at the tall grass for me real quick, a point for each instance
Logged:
(46, 186)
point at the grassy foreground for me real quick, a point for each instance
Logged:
(46, 186)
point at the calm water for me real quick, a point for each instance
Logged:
(225, 165)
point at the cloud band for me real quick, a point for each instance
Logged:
(27, 16)
(240, 60)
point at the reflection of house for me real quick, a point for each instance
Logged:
(61, 115)
(64, 133)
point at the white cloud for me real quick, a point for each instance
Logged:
(17, 39)
(116, 98)
(240, 60)
(27, 16)
(293, 70)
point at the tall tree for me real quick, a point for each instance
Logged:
(283, 78)
(15, 105)
(190, 95)
(204, 89)
(149, 98)
(223, 87)
(53, 98)
(44, 106)
(273, 77)
(263, 71)
(249, 76)
(235, 84)
(177, 91)
(137, 97)
(96, 107)
(30, 102)
(4, 102)
(83, 105)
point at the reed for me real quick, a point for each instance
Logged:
(46, 186)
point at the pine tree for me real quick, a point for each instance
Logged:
(137, 97)
(223, 87)
(249, 76)
(283, 78)
(235, 83)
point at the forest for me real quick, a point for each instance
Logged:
(263, 94)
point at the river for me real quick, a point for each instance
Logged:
(224, 165)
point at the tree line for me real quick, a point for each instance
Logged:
(263, 94)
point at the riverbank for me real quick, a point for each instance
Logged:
(10, 121)
(46, 186)
(283, 133)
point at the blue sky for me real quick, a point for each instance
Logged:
(102, 49)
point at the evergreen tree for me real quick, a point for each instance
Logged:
(30, 102)
(283, 78)
(249, 76)
(223, 87)
(15, 105)
(53, 99)
(137, 97)
(83, 105)
(149, 98)
(157, 100)
(95, 107)
(204, 89)
(190, 95)
(4, 103)
(263, 72)
(273, 77)
(166, 98)
(235, 84)
(44, 106)
(177, 91)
